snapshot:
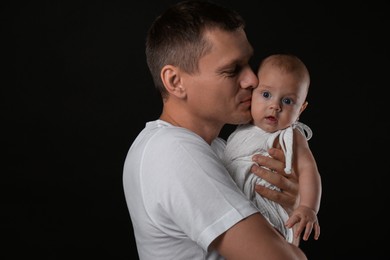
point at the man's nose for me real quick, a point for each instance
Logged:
(250, 79)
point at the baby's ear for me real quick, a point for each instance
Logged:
(303, 107)
(171, 78)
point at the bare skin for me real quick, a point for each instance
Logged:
(288, 183)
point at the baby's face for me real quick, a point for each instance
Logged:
(278, 100)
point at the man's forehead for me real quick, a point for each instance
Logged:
(231, 45)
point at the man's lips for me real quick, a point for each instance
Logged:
(246, 101)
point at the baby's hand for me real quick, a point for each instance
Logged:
(307, 219)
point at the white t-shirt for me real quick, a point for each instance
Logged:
(179, 194)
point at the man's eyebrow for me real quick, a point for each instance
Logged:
(233, 63)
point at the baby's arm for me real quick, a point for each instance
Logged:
(309, 189)
(307, 219)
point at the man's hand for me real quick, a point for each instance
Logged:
(288, 198)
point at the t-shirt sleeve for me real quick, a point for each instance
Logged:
(187, 190)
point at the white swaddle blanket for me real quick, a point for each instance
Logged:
(242, 144)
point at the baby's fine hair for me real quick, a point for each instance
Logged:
(289, 63)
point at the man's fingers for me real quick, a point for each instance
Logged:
(277, 154)
(270, 163)
(276, 179)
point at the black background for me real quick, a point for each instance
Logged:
(76, 91)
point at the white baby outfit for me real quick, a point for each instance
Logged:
(242, 144)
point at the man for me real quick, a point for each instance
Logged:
(182, 202)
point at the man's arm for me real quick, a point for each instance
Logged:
(255, 238)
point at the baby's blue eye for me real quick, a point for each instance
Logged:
(287, 101)
(266, 94)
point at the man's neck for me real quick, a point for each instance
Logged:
(205, 130)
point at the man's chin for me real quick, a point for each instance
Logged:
(242, 120)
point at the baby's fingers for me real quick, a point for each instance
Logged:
(316, 231)
(308, 229)
(292, 221)
(299, 228)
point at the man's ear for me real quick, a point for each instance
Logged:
(171, 79)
